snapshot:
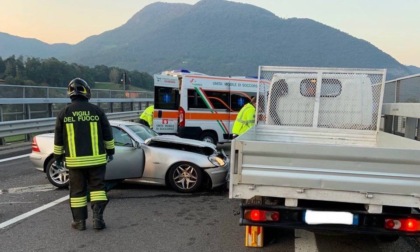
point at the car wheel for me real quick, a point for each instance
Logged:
(209, 137)
(185, 177)
(59, 177)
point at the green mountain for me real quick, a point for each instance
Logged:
(221, 38)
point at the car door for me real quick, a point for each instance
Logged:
(128, 160)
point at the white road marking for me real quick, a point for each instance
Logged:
(34, 188)
(13, 158)
(32, 212)
(305, 241)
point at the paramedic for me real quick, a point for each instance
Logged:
(245, 118)
(311, 89)
(146, 117)
(83, 139)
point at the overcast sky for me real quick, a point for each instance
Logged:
(391, 25)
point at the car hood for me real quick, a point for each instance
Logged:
(179, 140)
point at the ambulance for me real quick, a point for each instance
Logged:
(199, 106)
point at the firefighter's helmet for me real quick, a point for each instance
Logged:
(78, 87)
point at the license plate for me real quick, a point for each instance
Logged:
(329, 217)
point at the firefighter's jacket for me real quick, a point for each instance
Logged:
(147, 115)
(244, 120)
(83, 134)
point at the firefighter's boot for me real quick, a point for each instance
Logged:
(79, 225)
(79, 218)
(98, 215)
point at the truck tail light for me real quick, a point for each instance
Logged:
(261, 215)
(35, 147)
(407, 224)
(181, 117)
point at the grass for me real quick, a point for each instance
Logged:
(14, 139)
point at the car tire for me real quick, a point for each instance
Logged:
(57, 177)
(185, 177)
(209, 137)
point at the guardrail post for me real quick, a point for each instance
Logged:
(27, 115)
(50, 110)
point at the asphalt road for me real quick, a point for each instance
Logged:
(145, 218)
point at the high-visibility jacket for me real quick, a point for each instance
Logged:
(83, 134)
(147, 115)
(244, 120)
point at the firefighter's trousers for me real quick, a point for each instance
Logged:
(82, 181)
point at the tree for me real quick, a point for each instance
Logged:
(52, 72)
(2, 67)
(114, 75)
(10, 70)
(34, 70)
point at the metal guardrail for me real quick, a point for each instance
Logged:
(23, 127)
(18, 102)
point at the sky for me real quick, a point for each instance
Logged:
(393, 26)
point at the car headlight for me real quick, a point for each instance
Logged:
(217, 161)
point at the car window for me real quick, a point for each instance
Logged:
(329, 87)
(121, 138)
(142, 131)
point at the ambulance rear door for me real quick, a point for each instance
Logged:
(165, 116)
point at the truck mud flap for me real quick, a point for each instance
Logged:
(254, 236)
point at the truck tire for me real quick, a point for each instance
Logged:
(388, 238)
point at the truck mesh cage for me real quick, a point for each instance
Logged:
(320, 98)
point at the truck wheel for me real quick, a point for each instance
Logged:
(209, 137)
(58, 177)
(185, 177)
(388, 238)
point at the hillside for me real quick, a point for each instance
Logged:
(221, 38)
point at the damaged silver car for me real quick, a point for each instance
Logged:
(143, 156)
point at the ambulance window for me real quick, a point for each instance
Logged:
(219, 99)
(194, 100)
(166, 98)
(210, 99)
(329, 87)
(239, 100)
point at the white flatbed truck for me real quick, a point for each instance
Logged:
(316, 159)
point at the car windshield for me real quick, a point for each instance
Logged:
(141, 131)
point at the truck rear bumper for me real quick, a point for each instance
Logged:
(294, 218)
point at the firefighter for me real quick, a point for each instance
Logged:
(245, 118)
(146, 117)
(83, 139)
